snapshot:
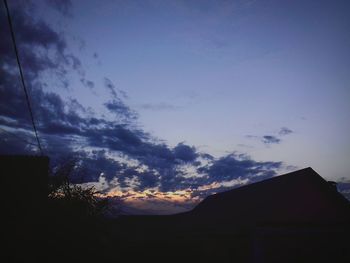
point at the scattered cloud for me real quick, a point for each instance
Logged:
(285, 131)
(270, 139)
(87, 83)
(111, 87)
(113, 90)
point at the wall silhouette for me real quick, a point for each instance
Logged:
(24, 191)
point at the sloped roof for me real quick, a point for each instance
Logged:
(302, 196)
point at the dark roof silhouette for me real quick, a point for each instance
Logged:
(299, 197)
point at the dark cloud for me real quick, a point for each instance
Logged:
(16, 143)
(207, 156)
(120, 109)
(62, 6)
(344, 188)
(285, 131)
(270, 139)
(94, 164)
(234, 166)
(185, 153)
(41, 49)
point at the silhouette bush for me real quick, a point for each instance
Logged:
(76, 229)
(71, 199)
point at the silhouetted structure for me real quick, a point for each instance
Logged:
(24, 190)
(297, 217)
(42, 229)
(299, 197)
(25, 179)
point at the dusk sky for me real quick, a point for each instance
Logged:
(173, 100)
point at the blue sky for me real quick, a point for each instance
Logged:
(267, 79)
(211, 72)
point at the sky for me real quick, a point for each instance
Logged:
(165, 102)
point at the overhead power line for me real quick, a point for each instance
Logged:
(22, 78)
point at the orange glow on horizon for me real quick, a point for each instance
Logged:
(183, 196)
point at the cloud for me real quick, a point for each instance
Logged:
(219, 175)
(207, 156)
(343, 187)
(113, 90)
(270, 139)
(266, 139)
(62, 6)
(13, 143)
(87, 83)
(118, 107)
(285, 131)
(185, 153)
(235, 166)
(41, 49)
(110, 86)
(152, 202)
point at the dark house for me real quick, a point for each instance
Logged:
(299, 197)
(296, 217)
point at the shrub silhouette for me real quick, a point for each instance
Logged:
(71, 199)
(76, 230)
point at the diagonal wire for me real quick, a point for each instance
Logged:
(22, 78)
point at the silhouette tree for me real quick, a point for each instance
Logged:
(73, 199)
(75, 227)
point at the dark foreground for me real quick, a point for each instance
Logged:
(170, 239)
(298, 217)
